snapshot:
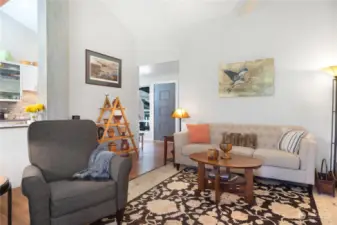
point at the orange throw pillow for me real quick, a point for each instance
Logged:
(198, 133)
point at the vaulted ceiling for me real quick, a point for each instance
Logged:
(145, 18)
(142, 18)
(23, 11)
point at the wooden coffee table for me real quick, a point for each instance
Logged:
(241, 186)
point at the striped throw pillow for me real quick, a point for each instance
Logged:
(290, 141)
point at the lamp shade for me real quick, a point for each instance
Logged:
(332, 70)
(180, 113)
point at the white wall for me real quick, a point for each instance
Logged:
(153, 50)
(299, 35)
(93, 27)
(18, 39)
(57, 61)
(159, 73)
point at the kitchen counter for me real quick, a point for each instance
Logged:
(8, 126)
(13, 124)
(13, 153)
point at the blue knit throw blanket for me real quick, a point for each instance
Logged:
(99, 165)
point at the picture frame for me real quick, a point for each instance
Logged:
(102, 69)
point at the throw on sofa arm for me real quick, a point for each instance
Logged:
(36, 189)
(119, 170)
(307, 154)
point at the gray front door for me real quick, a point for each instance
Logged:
(164, 105)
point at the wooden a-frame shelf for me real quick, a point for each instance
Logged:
(111, 123)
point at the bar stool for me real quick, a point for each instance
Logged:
(5, 187)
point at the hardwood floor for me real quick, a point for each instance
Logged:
(150, 158)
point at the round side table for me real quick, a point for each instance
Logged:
(5, 187)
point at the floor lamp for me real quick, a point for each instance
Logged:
(332, 70)
(180, 113)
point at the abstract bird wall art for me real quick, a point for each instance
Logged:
(244, 79)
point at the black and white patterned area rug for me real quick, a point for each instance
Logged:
(173, 202)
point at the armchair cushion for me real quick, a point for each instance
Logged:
(71, 196)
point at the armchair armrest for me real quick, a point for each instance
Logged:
(180, 140)
(37, 190)
(307, 154)
(120, 168)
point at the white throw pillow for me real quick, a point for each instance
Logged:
(291, 140)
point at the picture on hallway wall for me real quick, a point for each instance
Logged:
(103, 69)
(244, 79)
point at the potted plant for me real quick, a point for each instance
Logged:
(35, 112)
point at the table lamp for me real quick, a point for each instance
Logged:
(332, 70)
(180, 113)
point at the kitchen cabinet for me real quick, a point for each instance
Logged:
(29, 76)
(10, 81)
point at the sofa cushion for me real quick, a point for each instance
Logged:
(198, 133)
(195, 148)
(244, 151)
(277, 158)
(71, 196)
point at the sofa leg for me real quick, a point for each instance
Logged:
(119, 216)
(177, 166)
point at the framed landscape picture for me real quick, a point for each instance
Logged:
(103, 69)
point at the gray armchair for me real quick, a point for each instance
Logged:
(57, 150)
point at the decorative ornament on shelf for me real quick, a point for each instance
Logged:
(35, 112)
(117, 118)
(112, 147)
(125, 144)
(107, 103)
(111, 132)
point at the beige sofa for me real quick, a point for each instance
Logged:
(277, 164)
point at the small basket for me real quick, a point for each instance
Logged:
(325, 182)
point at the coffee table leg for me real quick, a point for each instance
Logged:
(249, 186)
(217, 187)
(201, 176)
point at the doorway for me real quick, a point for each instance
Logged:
(164, 105)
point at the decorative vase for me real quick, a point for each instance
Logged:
(212, 154)
(113, 103)
(100, 132)
(111, 132)
(32, 118)
(125, 144)
(226, 148)
(117, 118)
(122, 130)
(112, 147)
